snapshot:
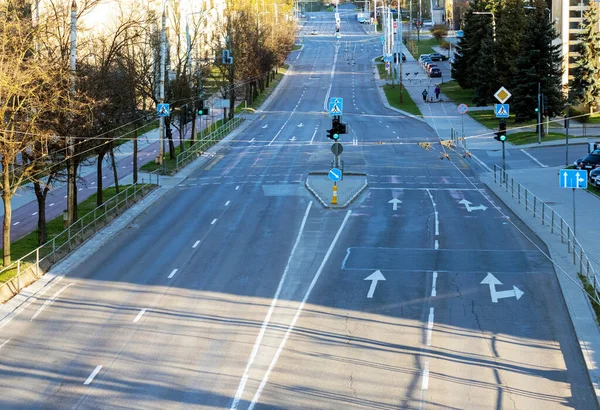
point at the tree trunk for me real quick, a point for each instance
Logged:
(169, 134)
(114, 167)
(99, 187)
(182, 129)
(7, 212)
(40, 195)
(268, 78)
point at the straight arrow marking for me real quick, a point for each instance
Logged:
(374, 278)
(394, 202)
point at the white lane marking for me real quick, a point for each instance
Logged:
(263, 328)
(172, 273)
(326, 102)
(434, 284)
(437, 222)
(139, 315)
(425, 380)
(5, 342)
(227, 203)
(16, 223)
(52, 204)
(91, 377)
(196, 244)
(34, 214)
(213, 221)
(313, 137)
(297, 315)
(237, 187)
(65, 196)
(534, 159)
(49, 302)
(437, 244)
(429, 326)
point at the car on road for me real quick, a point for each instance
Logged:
(314, 32)
(427, 23)
(396, 57)
(590, 161)
(437, 57)
(435, 72)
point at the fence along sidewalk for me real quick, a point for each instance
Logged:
(550, 218)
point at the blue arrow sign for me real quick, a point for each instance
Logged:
(336, 106)
(382, 40)
(501, 110)
(163, 110)
(460, 33)
(573, 178)
(335, 174)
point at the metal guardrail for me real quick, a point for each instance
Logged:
(202, 145)
(553, 221)
(42, 258)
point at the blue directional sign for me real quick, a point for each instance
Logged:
(163, 110)
(335, 174)
(501, 110)
(460, 33)
(336, 106)
(382, 40)
(573, 178)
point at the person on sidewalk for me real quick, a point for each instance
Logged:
(424, 93)
(437, 92)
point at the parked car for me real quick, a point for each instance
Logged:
(435, 72)
(427, 23)
(431, 67)
(422, 56)
(396, 57)
(594, 177)
(314, 32)
(590, 161)
(437, 57)
(428, 65)
(425, 61)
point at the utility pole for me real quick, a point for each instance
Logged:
(161, 89)
(191, 79)
(71, 169)
(539, 124)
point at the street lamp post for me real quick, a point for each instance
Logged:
(191, 81)
(493, 21)
(161, 87)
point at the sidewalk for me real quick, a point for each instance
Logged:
(444, 118)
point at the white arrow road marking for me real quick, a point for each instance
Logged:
(251, 141)
(492, 281)
(300, 125)
(265, 126)
(374, 278)
(394, 202)
(470, 208)
(293, 138)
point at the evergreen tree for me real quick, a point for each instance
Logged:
(483, 77)
(509, 32)
(586, 75)
(539, 60)
(476, 29)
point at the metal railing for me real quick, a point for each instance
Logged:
(208, 141)
(41, 259)
(557, 225)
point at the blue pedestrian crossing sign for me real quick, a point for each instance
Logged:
(335, 174)
(163, 110)
(573, 178)
(501, 110)
(336, 106)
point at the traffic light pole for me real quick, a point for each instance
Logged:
(539, 126)
(503, 161)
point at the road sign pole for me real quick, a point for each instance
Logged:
(462, 125)
(334, 195)
(539, 125)
(567, 138)
(574, 213)
(503, 162)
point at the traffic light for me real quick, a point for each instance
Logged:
(330, 133)
(501, 134)
(200, 108)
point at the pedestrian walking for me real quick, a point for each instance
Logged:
(437, 92)
(424, 93)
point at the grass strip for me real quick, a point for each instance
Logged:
(530, 137)
(393, 96)
(592, 295)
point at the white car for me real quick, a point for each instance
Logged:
(427, 23)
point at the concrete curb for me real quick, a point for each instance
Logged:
(348, 202)
(576, 300)
(384, 100)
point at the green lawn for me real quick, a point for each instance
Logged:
(530, 137)
(424, 46)
(169, 163)
(458, 95)
(594, 119)
(488, 119)
(393, 97)
(296, 47)
(28, 243)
